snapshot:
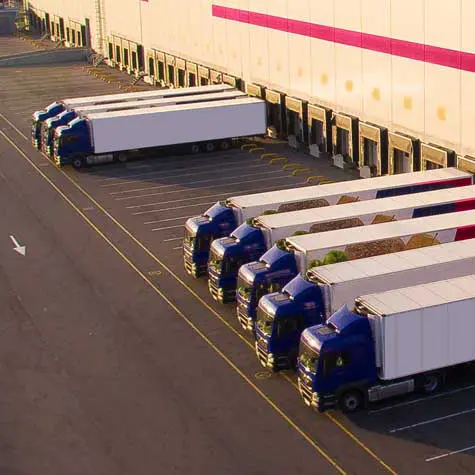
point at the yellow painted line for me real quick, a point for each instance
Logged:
(177, 310)
(247, 146)
(279, 159)
(315, 177)
(348, 433)
(269, 155)
(178, 279)
(326, 182)
(256, 149)
(297, 170)
(289, 166)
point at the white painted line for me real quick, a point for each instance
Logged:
(175, 207)
(172, 239)
(448, 454)
(291, 185)
(430, 421)
(168, 219)
(168, 227)
(178, 247)
(421, 399)
(186, 183)
(204, 170)
(238, 159)
(195, 189)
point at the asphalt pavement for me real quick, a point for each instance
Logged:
(113, 361)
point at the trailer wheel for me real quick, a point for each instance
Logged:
(225, 145)
(78, 162)
(432, 383)
(195, 148)
(210, 147)
(351, 401)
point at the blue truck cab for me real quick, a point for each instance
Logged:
(226, 256)
(72, 143)
(281, 318)
(336, 362)
(270, 273)
(40, 116)
(218, 221)
(49, 126)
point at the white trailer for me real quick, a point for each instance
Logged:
(392, 343)
(361, 213)
(382, 238)
(252, 205)
(111, 134)
(342, 283)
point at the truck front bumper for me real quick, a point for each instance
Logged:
(319, 402)
(245, 320)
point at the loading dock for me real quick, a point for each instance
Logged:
(275, 113)
(319, 129)
(344, 140)
(203, 76)
(215, 77)
(296, 120)
(433, 156)
(191, 74)
(403, 153)
(160, 65)
(466, 163)
(373, 150)
(170, 70)
(180, 65)
(151, 67)
(232, 81)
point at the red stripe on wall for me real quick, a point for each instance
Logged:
(404, 49)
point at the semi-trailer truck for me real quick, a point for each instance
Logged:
(311, 300)
(223, 218)
(391, 343)
(57, 107)
(373, 240)
(49, 126)
(105, 137)
(265, 231)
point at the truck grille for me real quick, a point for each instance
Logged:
(187, 261)
(305, 391)
(244, 320)
(261, 351)
(213, 288)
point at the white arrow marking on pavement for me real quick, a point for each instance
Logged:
(20, 249)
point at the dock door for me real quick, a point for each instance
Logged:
(275, 113)
(373, 159)
(191, 74)
(404, 153)
(296, 120)
(170, 70)
(466, 163)
(203, 74)
(433, 157)
(180, 72)
(344, 140)
(319, 130)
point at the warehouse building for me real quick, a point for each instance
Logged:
(387, 86)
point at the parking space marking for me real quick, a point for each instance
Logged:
(431, 421)
(186, 183)
(168, 219)
(178, 247)
(195, 189)
(173, 239)
(207, 196)
(203, 171)
(168, 227)
(175, 207)
(448, 454)
(421, 399)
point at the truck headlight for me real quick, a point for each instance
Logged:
(270, 358)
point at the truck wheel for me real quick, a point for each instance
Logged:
(195, 148)
(210, 147)
(351, 401)
(225, 145)
(78, 162)
(431, 383)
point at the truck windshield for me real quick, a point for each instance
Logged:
(190, 239)
(215, 262)
(308, 357)
(244, 289)
(264, 321)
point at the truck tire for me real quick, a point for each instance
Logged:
(195, 148)
(351, 401)
(78, 162)
(225, 145)
(210, 146)
(431, 383)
